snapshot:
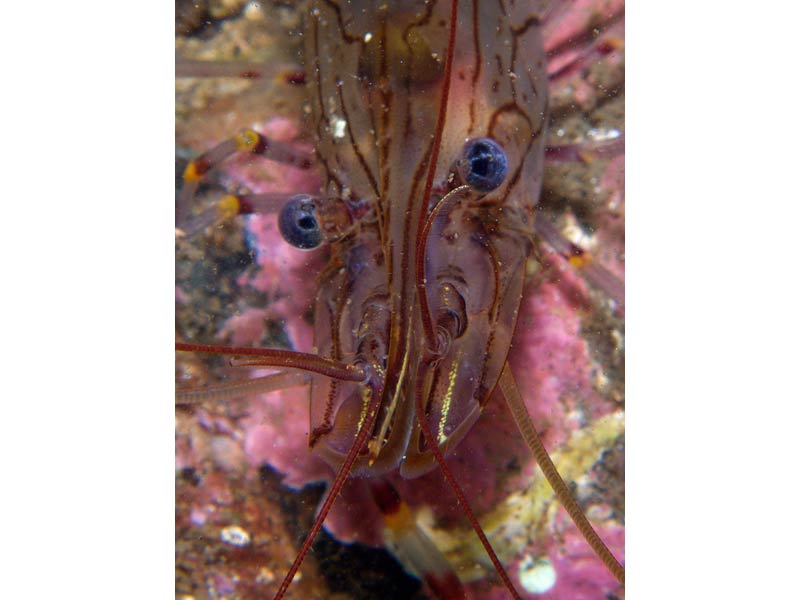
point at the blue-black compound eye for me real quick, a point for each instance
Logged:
(298, 224)
(483, 164)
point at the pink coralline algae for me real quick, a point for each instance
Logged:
(567, 356)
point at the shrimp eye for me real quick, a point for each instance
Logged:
(483, 164)
(298, 224)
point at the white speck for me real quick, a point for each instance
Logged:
(618, 340)
(537, 576)
(235, 536)
(576, 416)
(252, 11)
(338, 126)
(198, 517)
(601, 134)
(560, 132)
(367, 37)
(575, 234)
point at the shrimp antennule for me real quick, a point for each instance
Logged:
(462, 498)
(271, 357)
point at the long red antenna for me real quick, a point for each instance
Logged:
(427, 324)
(336, 486)
(462, 498)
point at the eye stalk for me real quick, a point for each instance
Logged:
(483, 164)
(298, 223)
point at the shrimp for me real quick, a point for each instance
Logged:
(424, 290)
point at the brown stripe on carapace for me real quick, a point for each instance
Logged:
(529, 22)
(513, 107)
(386, 93)
(498, 59)
(533, 87)
(420, 81)
(515, 34)
(425, 18)
(318, 72)
(250, 74)
(330, 173)
(362, 161)
(348, 38)
(483, 398)
(476, 73)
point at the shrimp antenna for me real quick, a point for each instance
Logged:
(373, 401)
(510, 390)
